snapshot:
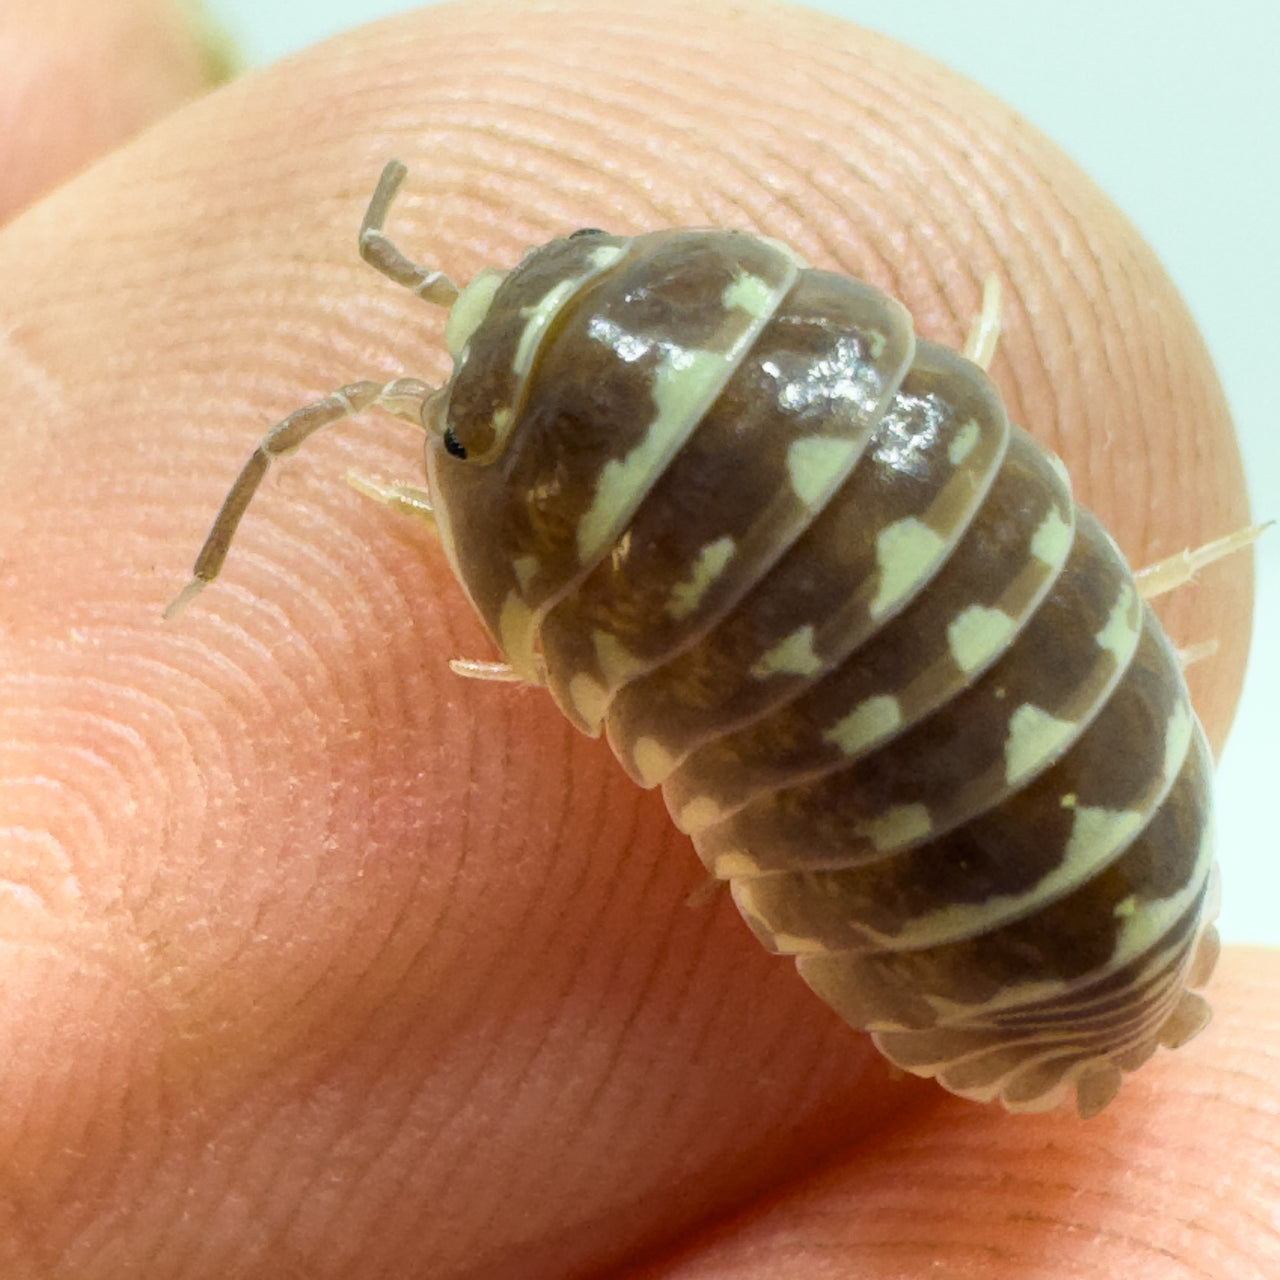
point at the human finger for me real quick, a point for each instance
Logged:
(399, 931)
(1138, 1191)
(80, 78)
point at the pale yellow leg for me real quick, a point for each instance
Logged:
(410, 500)
(705, 892)
(404, 499)
(1176, 570)
(493, 672)
(1183, 566)
(980, 346)
(479, 669)
(1194, 653)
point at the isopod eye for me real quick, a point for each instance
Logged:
(452, 445)
(587, 231)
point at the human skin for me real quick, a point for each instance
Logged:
(80, 78)
(322, 962)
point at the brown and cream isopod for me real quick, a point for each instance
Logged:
(798, 567)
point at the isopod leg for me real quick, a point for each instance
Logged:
(479, 669)
(1167, 574)
(1194, 653)
(711, 885)
(381, 254)
(492, 672)
(980, 346)
(404, 499)
(283, 438)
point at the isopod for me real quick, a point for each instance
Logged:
(904, 695)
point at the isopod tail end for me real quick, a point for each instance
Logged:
(1208, 949)
(1097, 1088)
(1189, 1018)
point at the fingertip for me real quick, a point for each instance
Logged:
(359, 805)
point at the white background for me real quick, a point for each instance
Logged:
(1173, 107)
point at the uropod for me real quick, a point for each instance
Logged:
(904, 695)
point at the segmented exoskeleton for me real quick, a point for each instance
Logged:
(903, 694)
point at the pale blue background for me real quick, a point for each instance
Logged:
(1173, 106)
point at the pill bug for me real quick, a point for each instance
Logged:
(797, 566)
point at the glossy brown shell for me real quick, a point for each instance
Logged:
(902, 693)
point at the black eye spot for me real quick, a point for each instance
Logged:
(588, 231)
(452, 445)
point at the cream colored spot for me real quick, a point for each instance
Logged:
(1118, 634)
(902, 825)
(876, 342)
(605, 256)
(617, 664)
(1125, 907)
(684, 384)
(699, 814)
(1052, 539)
(710, 564)
(1034, 738)
(733, 864)
(1177, 738)
(525, 568)
(590, 699)
(1096, 836)
(652, 761)
(501, 423)
(816, 463)
(868, 722)
(1069, 801)
(962, 446)
(1141, 930)
(515, 634)
(744, 898)
(793, 656)
(750, 294)
(540, 314)
(470, 309)
(538, 317)
(976, 634)
(743, 893)
(1095, 833)
(905, 551)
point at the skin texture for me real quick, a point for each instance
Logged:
(81, 78)
(319, 961)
